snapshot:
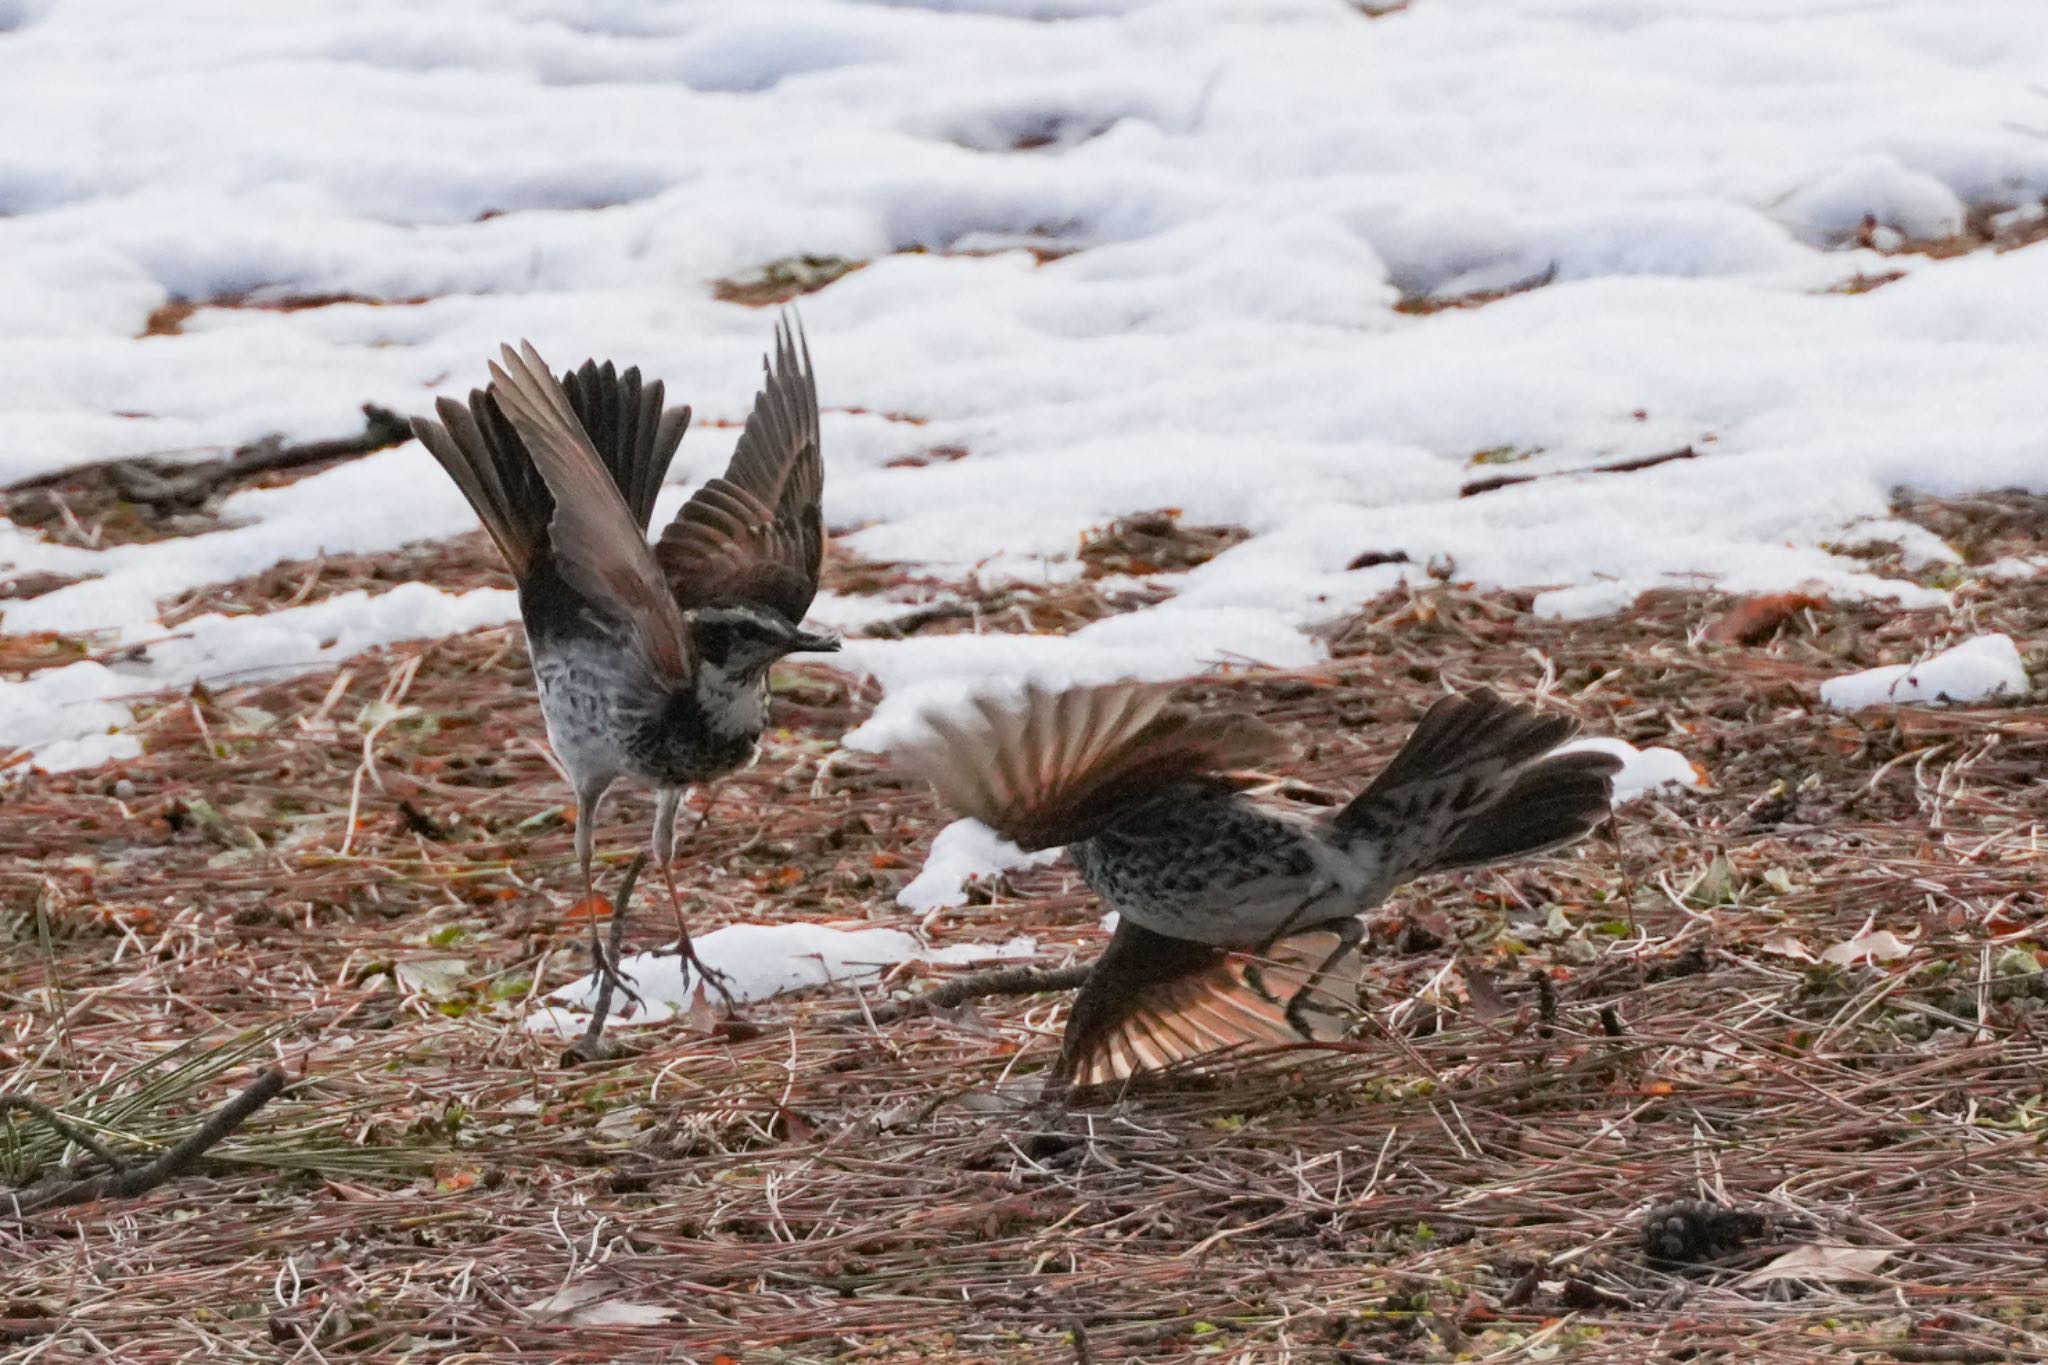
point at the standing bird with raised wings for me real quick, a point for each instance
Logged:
(652, 661)
(1233, 910)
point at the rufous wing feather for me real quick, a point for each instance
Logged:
(1046, 768)
(1159, 1004)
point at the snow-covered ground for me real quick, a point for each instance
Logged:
(1247, 191)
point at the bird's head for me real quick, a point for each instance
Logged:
(740, 641)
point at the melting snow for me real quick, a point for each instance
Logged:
(1226, 201)
(1642, 770)
(1983, 668)
(71, 717)
(759, 961)
(964, 851)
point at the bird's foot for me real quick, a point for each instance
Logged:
(687, 950)
(1297, 1014)
(705, 971)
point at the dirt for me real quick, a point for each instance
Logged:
(1591, 1103)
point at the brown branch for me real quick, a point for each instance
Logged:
(1488, 485)
(592, 1047)
(1645, 461)
(1000, 981)
(164, 486)
(126, 1183)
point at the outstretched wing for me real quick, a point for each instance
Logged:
(634, 435)
(1049, 768)
(755, 535)
(623, 418)
(1155, 1003)
(599, 547)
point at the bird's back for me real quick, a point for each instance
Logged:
(1203, 861)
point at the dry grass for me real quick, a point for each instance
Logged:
(1547, 1052)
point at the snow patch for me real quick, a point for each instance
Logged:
(964, 851)
(759, 961)
(1983, 668)
(1912, 204)
(1642, 770)
(70, 717)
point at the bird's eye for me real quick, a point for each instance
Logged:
(714, 641)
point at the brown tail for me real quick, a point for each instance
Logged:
(1554, 802)
(624, 419)
(1467, 788)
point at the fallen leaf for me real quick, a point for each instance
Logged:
(699, 1015)
(1784, 945)
(964, 1017)
(2015, 962)
(1756, 619)
(596, 905)
(590, 1303)
(1868, 945)
(1817, 1262)
(1483, 994)
(794, 1125)
(1715, 884)
(623, 1122)
(434, 977)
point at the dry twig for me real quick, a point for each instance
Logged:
(952, 994)
(125, 1182)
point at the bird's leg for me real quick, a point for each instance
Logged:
(665, 804)
(1350, 933)
(602, 963)
(1252, 973)
(704, 816)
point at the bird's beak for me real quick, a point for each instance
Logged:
(804, 642)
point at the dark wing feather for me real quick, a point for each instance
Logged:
(1155, 1003)
(623, 419)
(756, 535)
(489, 463)
(634, 437)
(598, 547)
(1049, 768)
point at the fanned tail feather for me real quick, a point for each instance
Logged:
(1467, 788)
(1553, 802)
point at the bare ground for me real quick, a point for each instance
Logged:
(366, 877)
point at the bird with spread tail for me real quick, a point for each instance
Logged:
(1234, 910)
(651, 660)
